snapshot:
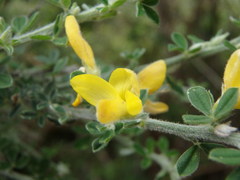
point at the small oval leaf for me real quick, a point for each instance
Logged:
(225, 156)
(188, 161)
(201, 99)
(226, 103)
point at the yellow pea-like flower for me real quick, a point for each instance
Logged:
(231, 77)
(152, 78)
(114, 100)
(79, 44)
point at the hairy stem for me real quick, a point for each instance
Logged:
(192, 133)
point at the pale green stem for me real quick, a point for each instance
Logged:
(192, 133)
(166, 165)
(87, 15)
(205, 51)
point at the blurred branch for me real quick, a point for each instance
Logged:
(93, 13)
(208, 48)
(166, 165)
(192, 133)
(14, 176)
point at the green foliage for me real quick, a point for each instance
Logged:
(201, 99)
(226, 156)
(226, 103)
(188, 161)
(234, 175)
(5, 80)
(196, 119)
(180, 41)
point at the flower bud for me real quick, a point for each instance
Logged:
(224, 130)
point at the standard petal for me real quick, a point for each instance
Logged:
(77, 101)
(134, 104)
(232, 71)
(153, 76)
(78, 43)
(232, 74)
(93, 88)
(110, 110)
(155, 107)
(124, 80)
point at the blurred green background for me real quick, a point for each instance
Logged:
(68, 146)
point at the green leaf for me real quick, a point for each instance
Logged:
(146, 163)
(226, 103)
(150, 2)
(234, 175)
(107, 136)
(28, 114)
(196, 119)
(229, 45)
(19, 23)
(188, 161)
(41, 37)
(66, 3)
(60, 112)
(60, 41)
(97, 146)
(179, 40)
(151, 14)
(119, 126)
(42, 105)
(195, 39)
(117, 3)
(139, 149)
(150, 145)
(201, 99)
(143, 95)
(31, 21)
(95, 128)
(139, 9)
(75, 73)
(61, 63)
(6, 81)
(105, 2)
(163, 144)
(225, 156)
(175, 86)
(207, 147)
(235, 21)
(173, 47)
(58, 25)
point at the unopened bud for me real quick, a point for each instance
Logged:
(224, 130)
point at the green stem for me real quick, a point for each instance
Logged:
(205, 51)
(192, 133)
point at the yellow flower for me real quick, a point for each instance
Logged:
(231, 77)
(114, 100)
(80, 45)
(152, 78)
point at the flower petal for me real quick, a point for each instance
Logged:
(232, 71)
(93, 88)
(110, 110)
(78, 43)
(77, 101)
(232, 74)
(134, 104)
(124, 80)
(153, 76)
(155, 107)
